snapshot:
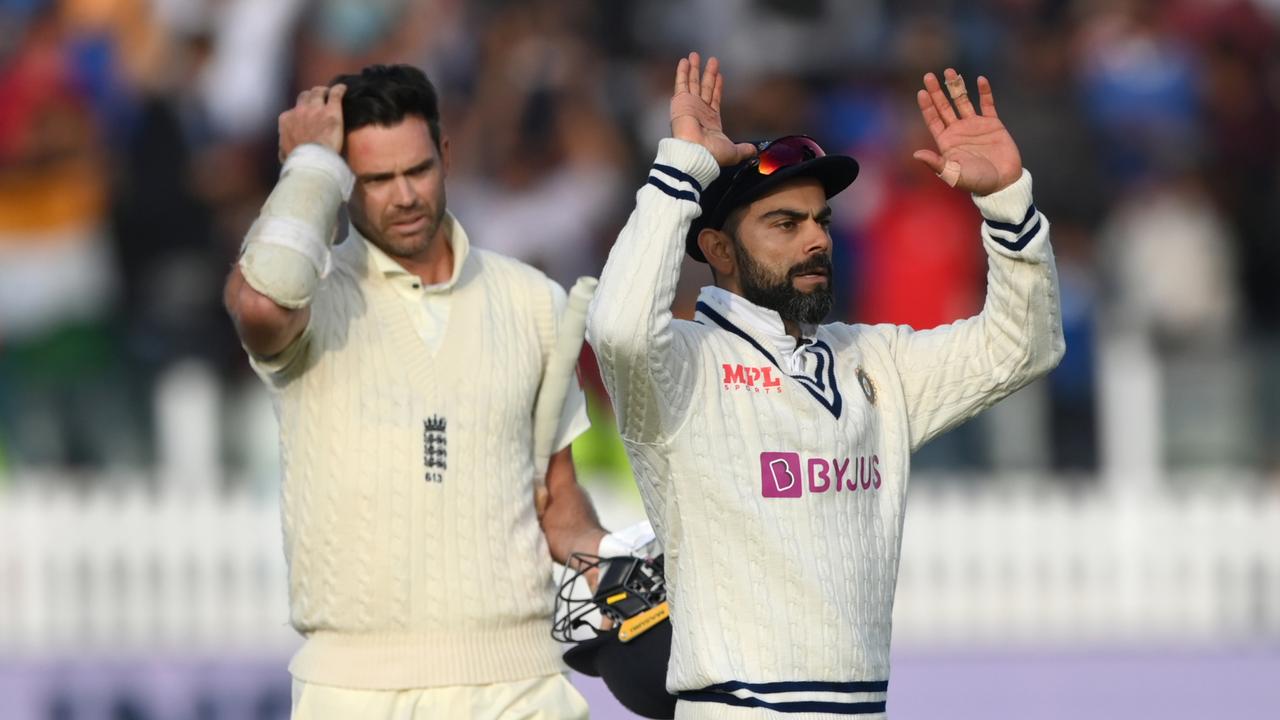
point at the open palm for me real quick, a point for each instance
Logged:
(695, 111)
(975, 152)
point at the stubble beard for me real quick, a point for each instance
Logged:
(403, 246)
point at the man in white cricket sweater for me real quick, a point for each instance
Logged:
(404, 365)
(772, 451)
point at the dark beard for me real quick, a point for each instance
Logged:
(780, 295)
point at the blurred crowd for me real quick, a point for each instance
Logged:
(137, 142)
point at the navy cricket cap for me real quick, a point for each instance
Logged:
(776, 162)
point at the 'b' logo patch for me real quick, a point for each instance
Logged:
(780, 475)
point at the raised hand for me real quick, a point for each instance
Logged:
(316, 118)
(695, 111)
(975, 152)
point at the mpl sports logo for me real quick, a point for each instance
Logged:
(759, 379)
(781, 474)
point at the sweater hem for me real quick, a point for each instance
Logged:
(400, 661)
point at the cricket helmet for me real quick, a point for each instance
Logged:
(621, 631)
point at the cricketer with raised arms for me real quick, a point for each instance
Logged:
(772, 449)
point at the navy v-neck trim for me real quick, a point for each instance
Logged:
(826, 360)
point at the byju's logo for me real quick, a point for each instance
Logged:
(781, 474)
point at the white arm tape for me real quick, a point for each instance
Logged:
(296, 235)
(286, 252)
(318, 157)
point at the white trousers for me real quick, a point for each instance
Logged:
(551, 697)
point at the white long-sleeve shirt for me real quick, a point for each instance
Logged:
(775, 474)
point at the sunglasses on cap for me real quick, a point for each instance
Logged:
(772, 156)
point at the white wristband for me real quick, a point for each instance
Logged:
(637, 540)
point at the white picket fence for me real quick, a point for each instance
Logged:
(123, 570)
(1031, 566)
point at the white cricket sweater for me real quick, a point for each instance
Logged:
(415, 556)
(777, 486)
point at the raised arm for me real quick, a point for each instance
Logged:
(629, 324)
(269, 291)
(951, 372)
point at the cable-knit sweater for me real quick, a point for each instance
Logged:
(415, 556)
(776, 476)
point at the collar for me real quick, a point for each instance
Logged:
(381, 263)
(762, 321)
(811, 363)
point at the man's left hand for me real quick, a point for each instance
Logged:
(975, 152)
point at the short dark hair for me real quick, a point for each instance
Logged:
(385, 95)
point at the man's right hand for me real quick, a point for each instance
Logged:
(316, 118)
(695, 111)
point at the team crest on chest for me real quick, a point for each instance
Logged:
(868, 387)
(435, 448)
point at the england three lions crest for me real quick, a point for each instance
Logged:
(435, 448)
